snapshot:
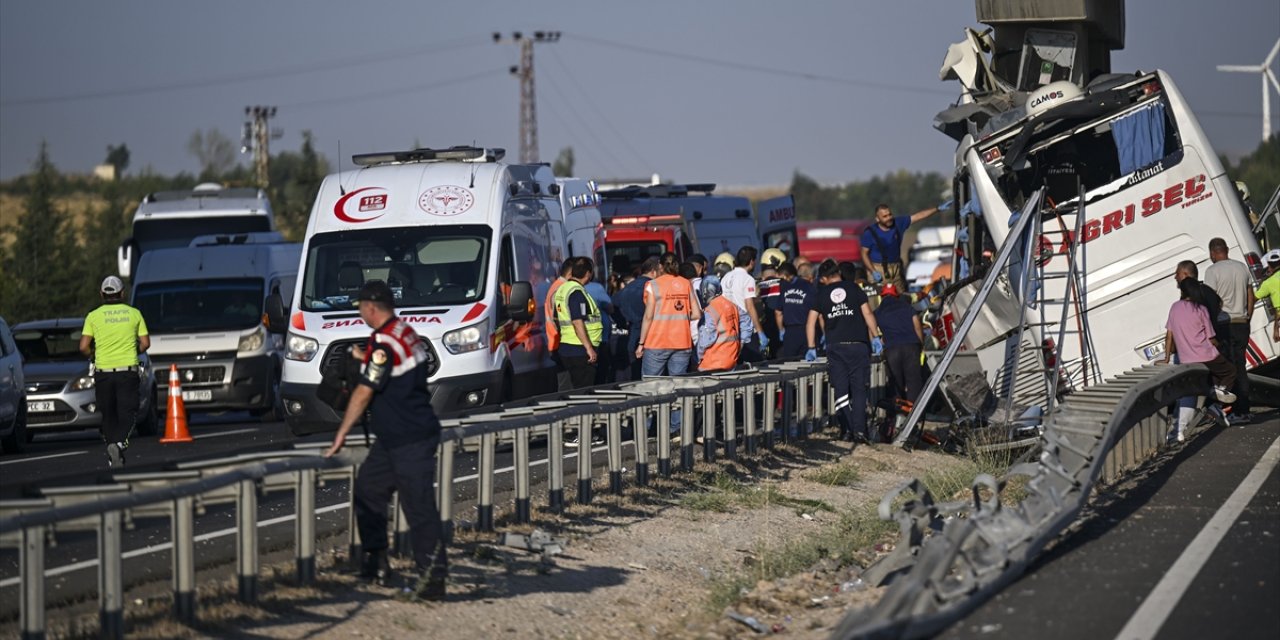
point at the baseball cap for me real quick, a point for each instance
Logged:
(376, 291)
(112, 285)
(1272, 257)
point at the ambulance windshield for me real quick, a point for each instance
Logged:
(424, 266)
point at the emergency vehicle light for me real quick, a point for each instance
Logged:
(460, 153)
(641, 219)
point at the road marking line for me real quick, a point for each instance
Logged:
(219, 434)
(50, 456)
(1149, 617)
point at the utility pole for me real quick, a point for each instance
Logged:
(528, 101)
(254, 137)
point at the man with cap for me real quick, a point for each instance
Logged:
(113, 336)
(393, 387)
(1270, 288)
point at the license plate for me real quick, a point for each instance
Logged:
(36, 407)
(1152, 352)
(197, 395)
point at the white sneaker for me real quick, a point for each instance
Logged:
(1215, 412)
(1223, 395)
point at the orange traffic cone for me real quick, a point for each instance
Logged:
(175, 419)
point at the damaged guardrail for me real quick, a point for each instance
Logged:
(952, 556)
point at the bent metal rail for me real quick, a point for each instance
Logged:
(953, 556)
(778, 401)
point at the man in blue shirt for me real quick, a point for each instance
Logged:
(796, 300)
(629, 302)
(882, 244)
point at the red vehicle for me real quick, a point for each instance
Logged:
(634, 238)
(835, 239)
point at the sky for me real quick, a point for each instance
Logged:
(732, 92)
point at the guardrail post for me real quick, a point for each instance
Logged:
(663, 429)
(522, 474)
(709, 426)
(770, 412)
(818, 405)
(730, 414)
(614, 435)
(33, 583)
(110, 580)
(184, 559)
(804, 415)
(444, 486)
(305, 525)
(355, 548)
(555, 467)
(247, 540)
(640, 436)
(584, 457)
(484, 506)
(686, 433)
(788, 409)
(749, 397)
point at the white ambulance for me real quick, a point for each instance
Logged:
(467, 244)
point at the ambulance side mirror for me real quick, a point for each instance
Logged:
(520, 306)
(277, 317)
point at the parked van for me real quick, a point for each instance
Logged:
(584, 233)
(204, 309)
(467, 244)
(172, 219)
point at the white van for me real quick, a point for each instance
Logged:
(204, 310)
(583, 231)
(172, 219)
(467, 243)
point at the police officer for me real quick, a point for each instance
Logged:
(851, 338)
(393, 386)
(581, 325)
(113, 336)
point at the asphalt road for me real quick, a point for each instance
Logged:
(1191, 552)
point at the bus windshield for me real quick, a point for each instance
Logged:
(168, 233)
(431, 265)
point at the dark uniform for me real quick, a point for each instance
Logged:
(848, 352)
(403, 458)
(797, 301)
(901, 345)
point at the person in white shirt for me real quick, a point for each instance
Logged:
(740, 288)
(1231, 280)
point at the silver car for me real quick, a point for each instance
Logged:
(13, 403)
(60, 391)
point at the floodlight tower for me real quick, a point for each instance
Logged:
(528, 101)
(1265, 71)
(255, 136)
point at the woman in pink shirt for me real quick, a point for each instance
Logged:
(1190, 335)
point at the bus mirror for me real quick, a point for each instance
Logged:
(276, 320)
(521, 306)
(124, 259)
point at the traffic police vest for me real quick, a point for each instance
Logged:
(595, 328)
(669, 328)
(722, 355)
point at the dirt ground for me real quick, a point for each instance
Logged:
(776, 541)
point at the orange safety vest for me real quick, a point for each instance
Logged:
(549, 314)
(722, 355)
(669, 328)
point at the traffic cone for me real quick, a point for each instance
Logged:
(175, 419)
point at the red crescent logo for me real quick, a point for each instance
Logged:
(340, 209)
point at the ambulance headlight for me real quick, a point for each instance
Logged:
(253, 341)
(300, 348)
(466, 339)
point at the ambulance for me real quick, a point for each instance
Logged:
(467, 244)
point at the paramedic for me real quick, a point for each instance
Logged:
(851, 332)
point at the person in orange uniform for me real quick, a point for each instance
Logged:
(563, 380)
(719, 337)
(665, 340)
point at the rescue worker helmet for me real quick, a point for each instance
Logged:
(725, 258)
(773, 257)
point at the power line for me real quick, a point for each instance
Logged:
(586, 97)
(331, 65)
(742, 66)
(379, 95)
(598, 144)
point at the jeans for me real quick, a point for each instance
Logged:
(674, 361)
(117, 396)
(410, 470)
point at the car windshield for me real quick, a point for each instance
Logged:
(635, 252)
(222, 304)
(429, 265)
(49, 345)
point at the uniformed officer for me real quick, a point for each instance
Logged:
(797, 301)
(393, 386)
(113, 336)
(581, 325)
(852, 335)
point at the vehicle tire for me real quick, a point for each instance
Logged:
(274, 412)
(16, 441)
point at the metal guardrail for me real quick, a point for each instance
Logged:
(744, 403)
(976, 547)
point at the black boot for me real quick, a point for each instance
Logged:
(375, 566)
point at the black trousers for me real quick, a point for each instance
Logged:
(117, 396)
(409, 470)
(1237, 342)
(581, 372)
(905, 369)
(794, 343)
(849, 366)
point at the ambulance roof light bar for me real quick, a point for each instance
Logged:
(633, 192)
(642, 220)
(457, 154)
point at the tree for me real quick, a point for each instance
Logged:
(295, 181)
(563, 166)
(42, 266)
(215, 152)
(118, 157)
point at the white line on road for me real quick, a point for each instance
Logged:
(1149, 617)
(52, 455)
(219, 434)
